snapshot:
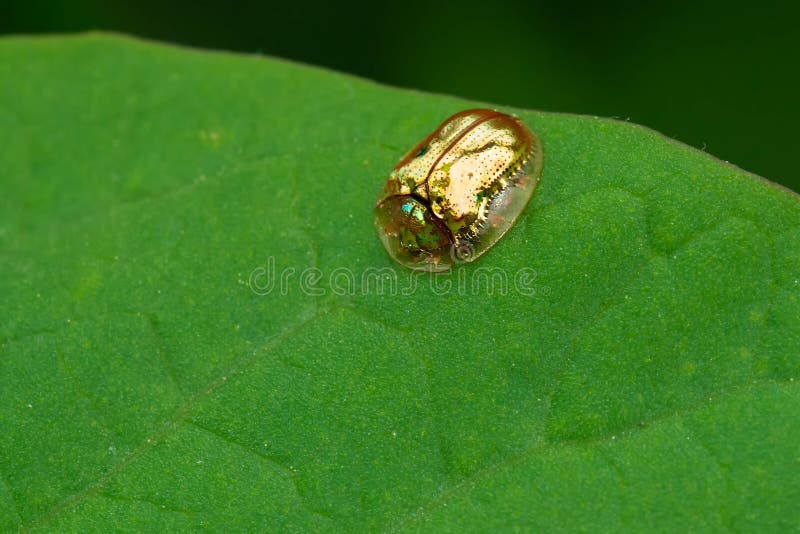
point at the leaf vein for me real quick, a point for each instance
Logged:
(169, 426)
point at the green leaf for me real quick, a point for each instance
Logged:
(638, 375)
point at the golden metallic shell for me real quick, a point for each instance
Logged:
(451, 197)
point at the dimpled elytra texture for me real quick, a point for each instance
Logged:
(453, 195)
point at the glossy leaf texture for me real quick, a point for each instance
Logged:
(189, 340)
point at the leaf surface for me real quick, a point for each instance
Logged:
(624, 358)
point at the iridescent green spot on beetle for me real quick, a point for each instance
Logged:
(460, 189)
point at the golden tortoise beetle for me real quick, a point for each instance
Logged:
(459, 190)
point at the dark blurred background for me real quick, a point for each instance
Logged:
(722, 76)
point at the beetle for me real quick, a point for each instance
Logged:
(459, 190)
